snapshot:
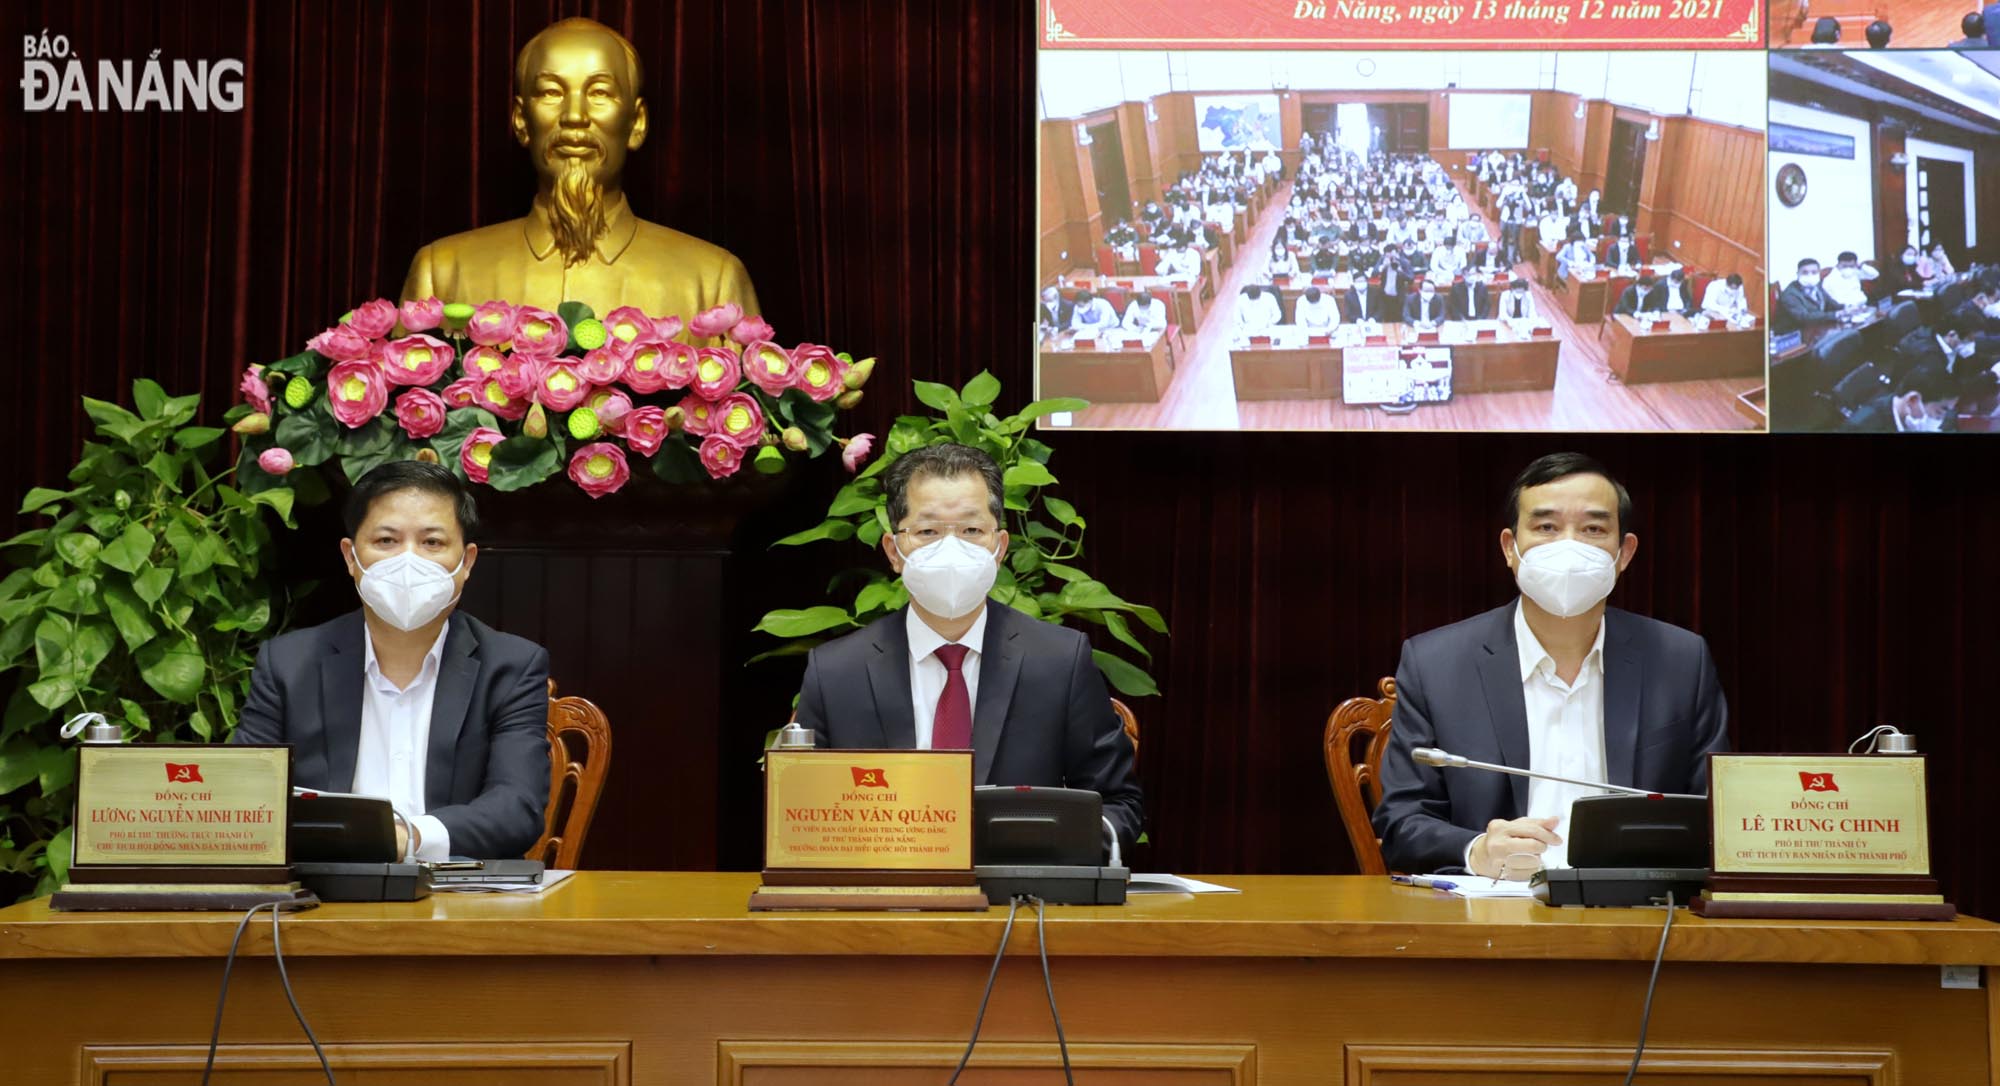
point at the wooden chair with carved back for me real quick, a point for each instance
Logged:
(1130, 723)
(1357, 785)
(579, 760)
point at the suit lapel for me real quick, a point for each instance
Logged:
(1624, 675)
(1500, 676)
(341, 675)
(458, 674)
(889, 682)
(999, 670)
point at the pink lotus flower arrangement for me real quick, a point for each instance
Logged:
(512, 395)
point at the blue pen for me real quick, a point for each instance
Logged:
(1424, 881)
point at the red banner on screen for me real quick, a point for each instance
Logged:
(1465, 24)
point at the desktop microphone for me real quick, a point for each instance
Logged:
(1447, 760)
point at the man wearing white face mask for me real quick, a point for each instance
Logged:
(955, 670)
(407, 699)
(1556, 682)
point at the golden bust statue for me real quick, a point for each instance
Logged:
(578, 112)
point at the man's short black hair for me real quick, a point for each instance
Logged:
(1808, 261)
(1845, 257)
(1826, 31)
(1973, 25)
(395, 475)
(1878, 34)
(1734, 280)
(1561, 466)
(946, 461)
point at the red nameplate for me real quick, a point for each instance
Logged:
(1319, 341)
(1260, 341)
(1662, 326)
(1543, 330)
(1427, 337)
(1377, 340)
(1281, 280)
(1322, 281)
(1487, 334)
(1126, 283)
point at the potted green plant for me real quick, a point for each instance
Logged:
(142, 596)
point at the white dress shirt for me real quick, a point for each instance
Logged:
(1259, 314)
(1321, 315)
(1565, 730)
(928, 674)
(1522, 310)
(395, 743)
(1722, 301)
(1096, 317)
(1844, 285)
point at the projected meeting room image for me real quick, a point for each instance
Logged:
(1885, 207)
(1421, 241)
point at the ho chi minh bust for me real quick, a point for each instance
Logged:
(578, 111)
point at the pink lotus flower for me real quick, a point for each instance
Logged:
(420, 412)
(599, 468)
(463, 392)
(681, 362)
(602, 366)
(699, 415)
(357, 391)
(739, 420)
(751, 329)
(256, 390)
(769, 367)
(645, 366)
(477, 452)
(539, 333)
(716, 320)
(494, 396)
(721, 458)
(821, 372)
(667, 327)
(275, 461)
(716, 372)
(373, 319)
(627, 325)
(492, 324)
(856, 452)
(560, 385)
(611, 407)
(481, 361)
(340, 343)
(421, 315)
(518, 375)
(645, 429)
(416, 360)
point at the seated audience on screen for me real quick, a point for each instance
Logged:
(408, 698)
(1804, 303)
(1577, 256)
(1724, 299)
(1284, 262)
(1258, 311)
(1878, 34)
(1647, 295)
(1054, 313)
(1846, 283)
(955, 670)
(1145, 313)
(1555, 682)
(1424, 307)
(1093, 315)
(1517, 306)
(1316, 311)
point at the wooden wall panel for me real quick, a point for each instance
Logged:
(1474, 1065)
(1136, 136)
(434, 1063)
(1069, 191)
(1557, 128)
(1892, 210)
(894, 1063)
(1986, 180)
(1706, 185)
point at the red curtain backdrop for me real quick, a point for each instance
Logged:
(872, 164)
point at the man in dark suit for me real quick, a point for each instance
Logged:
(1466, 301)
(1424, 307)
(405, 699)
(1054, 313)
(1622, 253)
(1363, 301)
(956, 670)
(1556, 683)
(1644, 296)
(1805, 302)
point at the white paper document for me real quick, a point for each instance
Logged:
(1480, 886)
(1174, 884)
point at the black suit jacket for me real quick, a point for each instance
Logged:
(1623, 252)
(1637, 299)
(1414, 311)
(1352, 309)
(486, 775)
(1797, 308)
(1043, 715)
(1459, 688)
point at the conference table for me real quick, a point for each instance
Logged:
(1190, 296)
(1293, 367)
(655, 978)
(1129, 367)
(1680, 351)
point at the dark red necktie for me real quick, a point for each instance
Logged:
(951, 728)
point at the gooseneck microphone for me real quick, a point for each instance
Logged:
(1447, 760)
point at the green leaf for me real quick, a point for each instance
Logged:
(112, 419)
(883, 595)
(678, 464)
(58, 855)
(1148, 616)
(79, 549)
(1028, 473)
(16, 583)
(130, 550)
(869, 534)
(1089, 594)
(128, 614)
(520, 462)
(148, 397)
(17, 765)
(1125, 677)
(135, 714)
(458, 425)
(280, 501)
(1064, 512)
(1039, 408)
(855, 497)
(52, 693)
(41, 496)
(1066, 572)
(574, 313)
(308, 435)
(195, 437)
(371, 437)
(1122, 630)
(936, 396)
(173, 667)
(789, 648)
(838, 530)
(198, 721)
(1025, 559)
(152, 584)
(981, 391)
(812, 620)
(56, 766)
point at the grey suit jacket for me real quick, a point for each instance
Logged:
(1459, 688)
(1043, 715)
(486, 776)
